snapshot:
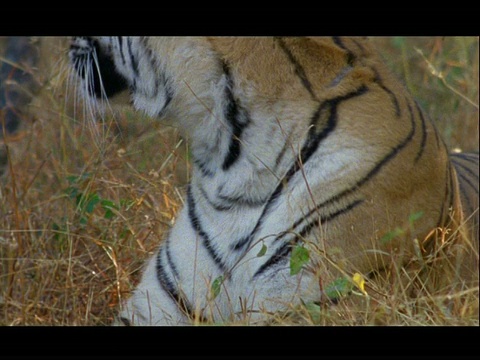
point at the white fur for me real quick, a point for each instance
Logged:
(194, 74)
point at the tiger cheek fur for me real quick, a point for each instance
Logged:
(295, 141)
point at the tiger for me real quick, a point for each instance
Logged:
(298, 144)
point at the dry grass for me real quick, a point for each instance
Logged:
(78, 217)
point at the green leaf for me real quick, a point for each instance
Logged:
(56, 229)
(300, 256)
(80, 200)
(127, 204)
(338, 288)
(216, 286)
(454, 74)
(391, 235)
(315, 311)
(92, 201)
(108, 214)
(124, 233)
(71, 192)
(108, 205)
(77, 178)
(262, 251)
(72, 179)
(414, 217)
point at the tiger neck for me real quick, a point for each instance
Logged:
(235, 154)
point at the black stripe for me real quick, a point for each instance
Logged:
(282, 153)
(231, 202)
(424, 133)
(196, 225)
(285, 249)
(246, 240)
(360, 46)
(394, 152)
(463, 194)
(217, 207)
(469, 157)
(390, 93)
(299, 70)
(328, 107)
(458, 162)
(168, 94)
(279, 255)
(435, 132)
(322, 220)
(391, 155)
(378, 79)
(120, 47)
(161, 80)
(133, 59)
(237, 119)
(243, 201)
(350, 56)
(285, 147)
(393, 98)
(242, 242)
(203, 168)
(459, 167)
(170, 259)
(325, 219)
(163, 278)
(169, 287)
(312, 142)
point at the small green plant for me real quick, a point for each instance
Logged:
(87, 201)
(402, 231)
(300, 256)
(216, 286)
(338, 288)
(262, 251)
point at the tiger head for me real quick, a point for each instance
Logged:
(109, 66)
(183, 76)
(293, 140)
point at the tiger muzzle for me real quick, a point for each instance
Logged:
(95, 66)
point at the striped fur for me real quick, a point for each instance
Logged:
(466, 166)
(295, 141)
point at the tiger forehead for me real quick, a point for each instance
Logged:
(284, 67)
